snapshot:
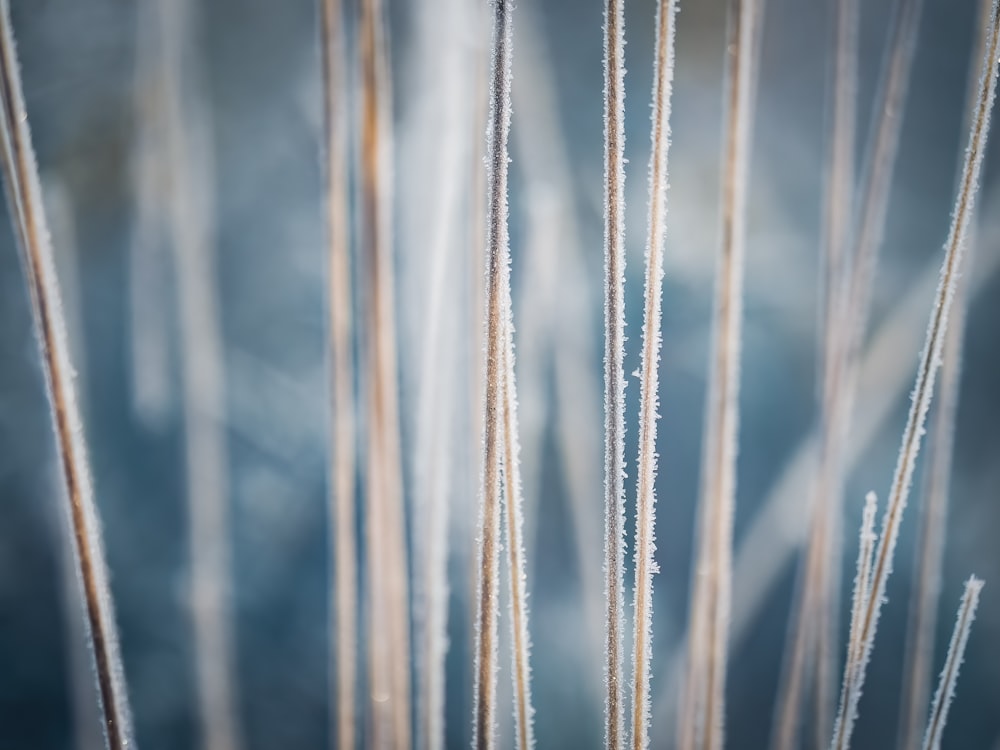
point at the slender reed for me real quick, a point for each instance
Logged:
(929, 552)
(949, 675)
(344, 597)
(188, 151)
(923, 390)
(862, 580)
(614, 375)
(808, 656)
(148, 333)
(702, 715)
(645, 565)
(387, 578)
(32, 235)
(520, 641)
(497, 261)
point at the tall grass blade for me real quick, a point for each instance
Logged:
(188, 151)
(344, 596)
(929, 552)
(949, 675)
(32, 235)
(701, 722)
(497, 262)
(614, 375)
(645, 545)
(923, 390)
(520, 641)
(387, 577)
(149, 351)
(808, 654)
(862, 581)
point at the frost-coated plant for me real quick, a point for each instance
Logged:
(403, 475)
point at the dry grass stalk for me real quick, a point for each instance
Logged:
(30, 229)
(929, 552)
(862, 578)
(497, 261)
(148, 335)
(520, 640)
(389, 622)
(949, 675)
(923, 390)
(614, 376)
(645, 546)
(702, 715)
(808, 654)
(344, 597)
(187, 146)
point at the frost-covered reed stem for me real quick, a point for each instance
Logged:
(949, 675)
(862, 580)
(614, 374)
(32, 235)
(497, 262)
(387, 577)
(344, 597)
(702, 715)
(520, 640)
(929, 552)
(923, 390)
(645, 545)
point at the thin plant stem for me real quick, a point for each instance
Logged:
(614, 375)
(923, 390)
(497, 261)
(929, 552)
(31, 232)
(862, 578)
(344, 597)
(702, 716)
(148, 335)
(645, 546)
(520, 641)
(388, 584)
(187, 146)
(949, 675)
(807, 654)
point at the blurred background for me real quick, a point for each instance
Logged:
(249, 178)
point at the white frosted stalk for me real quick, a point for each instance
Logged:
(614, 375)
(702, 716)
(949, 675)
(344, 596)
(862, 580)
(387, 568)
(497, 261)
(520, 640)
(83, 526)
(929, 550)
(645, 543)
(923, 390)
